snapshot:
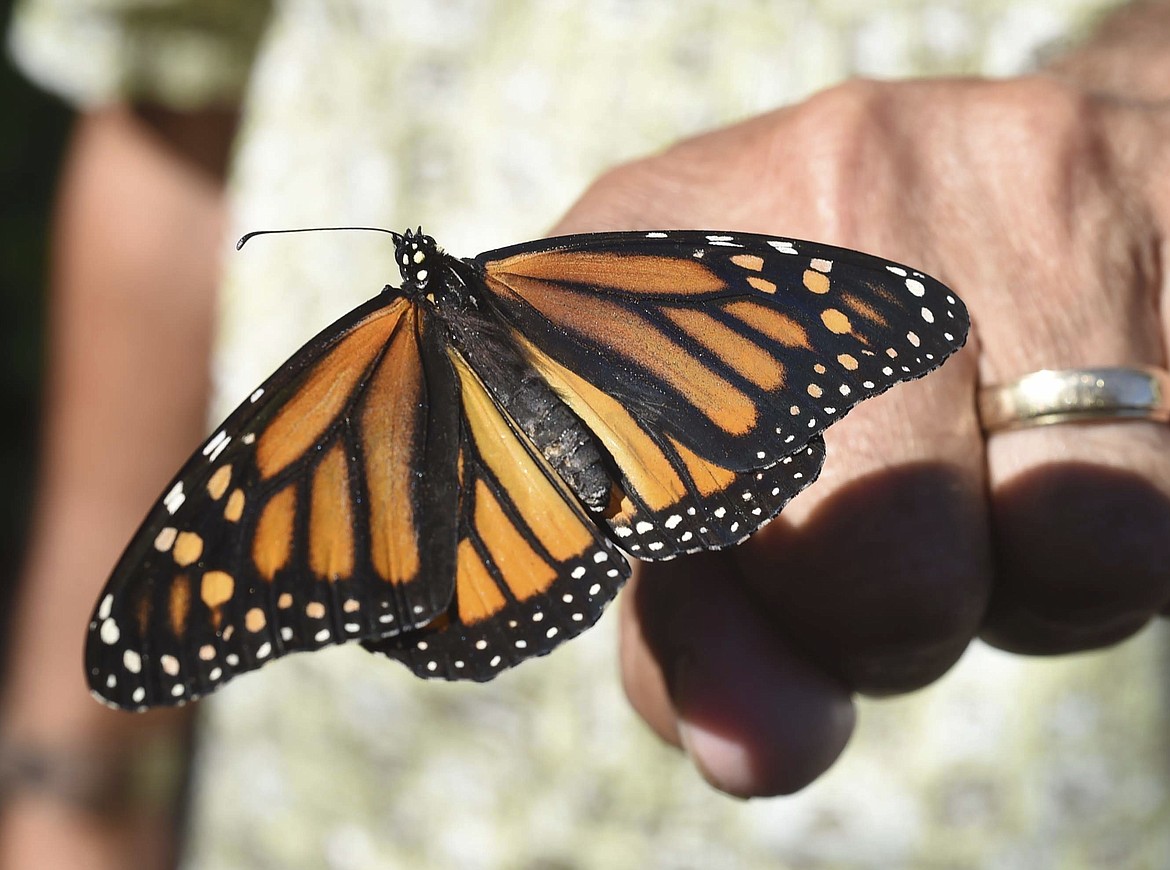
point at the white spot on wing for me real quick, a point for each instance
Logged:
(215, 441)
(109, 632)
(174, 499)
(165, 539)
(219, 449)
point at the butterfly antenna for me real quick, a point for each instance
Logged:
(244, 239)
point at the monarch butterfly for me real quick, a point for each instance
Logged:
(450, 473)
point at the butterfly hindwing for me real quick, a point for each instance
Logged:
(533, 569)
(719, 508)
(300, 523)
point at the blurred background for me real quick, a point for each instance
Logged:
(34, 131)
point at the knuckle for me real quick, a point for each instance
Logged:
(893, 608)
(1082, 553)
(1039, 129)
(623, 197)
(830, 149)
(927, 620)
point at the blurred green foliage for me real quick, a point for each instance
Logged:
(32, 137)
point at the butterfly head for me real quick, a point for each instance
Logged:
(419, 258)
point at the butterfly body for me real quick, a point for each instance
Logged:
(472, 329)
(449, 473)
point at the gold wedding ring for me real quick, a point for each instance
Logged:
(1077, 396)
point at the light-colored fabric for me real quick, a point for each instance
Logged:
(483, 121)
(180, 53)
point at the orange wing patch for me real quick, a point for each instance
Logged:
(628, 334)
(525, 571)
(836, 321)
(863, 308)
(816, 282)
(180, 604)
(708, 477)
(323, 394)
(272, 544)
(476, 594)
(770, 322)
(331, 518)
(630, 273)
(389, 425)
(748, 359)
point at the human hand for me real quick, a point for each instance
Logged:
(1044, 207)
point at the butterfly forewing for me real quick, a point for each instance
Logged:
(300, 523)
(533, 569)
(702, 359)
(739, 346)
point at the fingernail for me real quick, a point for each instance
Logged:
(722, 761)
